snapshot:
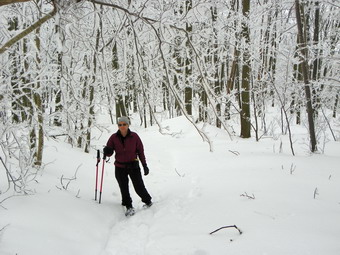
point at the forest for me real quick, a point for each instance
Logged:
(227, 63)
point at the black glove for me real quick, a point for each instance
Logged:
(108, 151)
(146, 170)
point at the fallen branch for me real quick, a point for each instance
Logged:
(3, 228)
(316, 192)
(233, 226)
(180, 175)
(235, 152)
(62, 178)
(292, 168)
(248, 196)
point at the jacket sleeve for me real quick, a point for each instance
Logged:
(110, 144)
(140, 151)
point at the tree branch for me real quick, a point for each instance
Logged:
(233, 226)
(124, 10)
(6, 2)
(28, 30)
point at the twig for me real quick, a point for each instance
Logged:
(180, 175)
(329, 125)
(65, 187)
(6, 199)
(137, 15)
(247, 196)
(10, 177)
(316, 192)
(286, 116)
(235, 152)
(4, 227)
(232, 226)
(280, 150)
(9, 198)
(77, 196)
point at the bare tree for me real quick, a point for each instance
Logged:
(305, 72)
(245, 93)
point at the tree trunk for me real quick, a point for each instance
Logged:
(178, 72)
(39, 109)
(216, 63)
(317, 61)
(13, 26)
(305, 72)
(203, 114)
(188, 66)
(91, 115)
(233, 77)
(335, 107)
(245, 95)
(58, 100)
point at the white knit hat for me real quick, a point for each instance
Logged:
(124, 119)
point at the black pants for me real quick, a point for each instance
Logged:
(122, 176)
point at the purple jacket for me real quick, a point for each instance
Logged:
(126, 148)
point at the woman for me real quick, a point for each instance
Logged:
(128, 147)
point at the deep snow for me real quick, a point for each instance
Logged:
(194, 192)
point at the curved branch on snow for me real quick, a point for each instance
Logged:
(233, 226)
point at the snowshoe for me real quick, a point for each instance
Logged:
(130, 212)
(147, 205)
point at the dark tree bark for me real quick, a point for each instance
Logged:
(188, 66)
(305, 72)
(245, 93)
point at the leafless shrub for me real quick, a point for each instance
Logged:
(65, 181)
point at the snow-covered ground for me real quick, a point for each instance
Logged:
(283, 204)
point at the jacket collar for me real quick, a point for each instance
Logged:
(120, 135)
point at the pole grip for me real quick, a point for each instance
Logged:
(98, 157)
(96, 184)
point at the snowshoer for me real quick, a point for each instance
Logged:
(128, 148)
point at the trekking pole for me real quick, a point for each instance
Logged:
(101, 182)
(96, 185)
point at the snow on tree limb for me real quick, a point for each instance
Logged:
(28, 30)
(7, 2)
